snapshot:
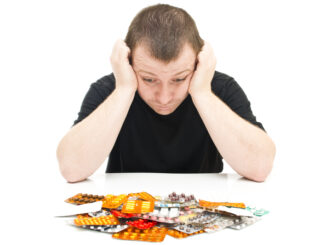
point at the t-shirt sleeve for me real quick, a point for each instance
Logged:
(233, 95)
(96, 94)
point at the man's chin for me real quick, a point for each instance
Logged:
(164, 112)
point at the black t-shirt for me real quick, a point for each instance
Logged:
(174, 143)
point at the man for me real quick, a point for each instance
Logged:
(165, 108)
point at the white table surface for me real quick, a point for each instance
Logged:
(290, 218)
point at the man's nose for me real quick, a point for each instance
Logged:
(165, 95)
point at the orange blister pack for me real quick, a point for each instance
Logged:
(103, 220)
(111, 201)
(180, 234)
(154, 234)
(207, 204)
(143, 195)
(138, 207)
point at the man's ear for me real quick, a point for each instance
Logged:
(196, 63)
(130, 60)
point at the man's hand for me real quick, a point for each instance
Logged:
(203, 75)
(122, 69)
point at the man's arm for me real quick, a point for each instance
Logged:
(247, 148)
(84, 148)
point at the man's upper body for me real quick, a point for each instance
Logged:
(165, 109)
(175, 143)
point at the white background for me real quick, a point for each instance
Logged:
(51, 51)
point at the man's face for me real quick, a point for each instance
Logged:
(163, 86)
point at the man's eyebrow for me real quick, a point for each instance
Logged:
(155, 75)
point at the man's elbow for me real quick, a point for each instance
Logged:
(69, 174)
(66, 170)
(258, 175)
(265, 167)
(258, 178)
(71, 177)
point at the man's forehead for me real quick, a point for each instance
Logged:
(143, 61)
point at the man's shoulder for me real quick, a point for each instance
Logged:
(222, 82)
(104, 85)
(106, 82)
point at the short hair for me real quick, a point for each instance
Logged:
(164, 29)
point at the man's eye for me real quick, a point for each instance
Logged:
(180, 79)
(148, 80)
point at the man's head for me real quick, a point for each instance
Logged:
(164, 41)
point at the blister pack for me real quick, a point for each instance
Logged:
(99, 213)
(80, 198)
(142, 223)
(207, 204)
(154, 234)
(189, 228)
(244, 222)
(234, 211)
(257, 211)
(202, 218)
(221, 222)
(142, 196)
(119, 214)
(105, 228)
(112, 201)
(164, 216)
(138, 206)
(102, 220)
(180, 234)
(143, 217)
(175, 200)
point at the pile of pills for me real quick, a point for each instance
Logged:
(143, 217)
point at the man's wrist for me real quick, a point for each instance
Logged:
(199, 94)
(126, 89)
(125, 92)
